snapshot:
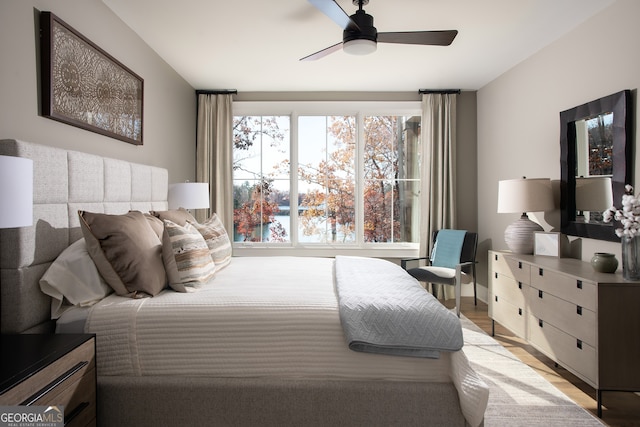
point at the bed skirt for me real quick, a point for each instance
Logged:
(182, 401)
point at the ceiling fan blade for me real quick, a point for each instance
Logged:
(335, 13)
(437, 38)
(322, 53)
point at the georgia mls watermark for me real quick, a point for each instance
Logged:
(31, 416)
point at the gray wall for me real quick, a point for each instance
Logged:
(518, 113)
(466, 162)
(169, 101)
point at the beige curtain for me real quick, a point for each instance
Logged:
(214, 154)
(438, 178)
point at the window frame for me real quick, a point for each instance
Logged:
(358, 109)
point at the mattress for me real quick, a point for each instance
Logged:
(264, 317)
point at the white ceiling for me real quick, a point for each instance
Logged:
(255, 45)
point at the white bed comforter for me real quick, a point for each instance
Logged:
(259, 317)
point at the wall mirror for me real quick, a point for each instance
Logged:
(595, 163)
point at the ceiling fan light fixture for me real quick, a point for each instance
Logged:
(360, 36)
(359, 47)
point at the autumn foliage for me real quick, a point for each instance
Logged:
(327, 208)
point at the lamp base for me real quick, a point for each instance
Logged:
(519, 235)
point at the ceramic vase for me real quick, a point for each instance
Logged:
(604, 262)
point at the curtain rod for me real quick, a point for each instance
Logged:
(443, 91)
(217, 92)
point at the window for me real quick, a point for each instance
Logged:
(311, 176)
(326, 179)
(391, 178)
(261, 183)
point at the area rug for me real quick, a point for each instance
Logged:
(518, 396)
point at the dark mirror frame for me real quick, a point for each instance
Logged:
(620, 104)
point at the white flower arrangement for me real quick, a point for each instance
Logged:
(628, 216)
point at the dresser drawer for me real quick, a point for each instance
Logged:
(510, 267)
(509, 289)
(579, 292)
(508, 315)
(78, 396)
(542, 338)
(570, 352)
(568, 317)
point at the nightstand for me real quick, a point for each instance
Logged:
(50, 369)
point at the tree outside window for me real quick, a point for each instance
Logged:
(260, 185)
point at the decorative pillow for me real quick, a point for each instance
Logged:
(156, 225)
(126, 251)
(217, 240)
(179, 216)
(73, 279)
(186, 257)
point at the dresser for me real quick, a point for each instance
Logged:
(50, 370)
(587, 322)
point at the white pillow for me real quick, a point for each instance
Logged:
(73, 279)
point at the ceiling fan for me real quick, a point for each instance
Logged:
(360, 37)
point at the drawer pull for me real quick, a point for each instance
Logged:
(579, 284)
(53, 384)
(519, 285)
(540, 272)
(496, 275)
(520, 311)
(496, 257)
(520, 265)
(540, 323)
(496, 298)
(579, 310)
(540, 294)
(579, 344)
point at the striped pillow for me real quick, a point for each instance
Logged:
(186, 257)
(217, 240)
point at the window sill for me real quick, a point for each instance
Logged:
(387, 252)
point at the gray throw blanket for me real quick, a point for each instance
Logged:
(385, 310)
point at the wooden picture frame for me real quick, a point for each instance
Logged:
(84, 86)
(547, 243)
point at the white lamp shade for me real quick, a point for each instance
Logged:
(189, 195)
(16, 192)
(359, 47)
(594, 193)
(525, 195)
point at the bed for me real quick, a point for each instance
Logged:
(261, 344)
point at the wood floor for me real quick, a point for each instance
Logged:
(619, 409)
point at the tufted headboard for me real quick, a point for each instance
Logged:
(64, 182)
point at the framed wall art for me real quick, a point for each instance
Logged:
(549, 243)
(84, 86)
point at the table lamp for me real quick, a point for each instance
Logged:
(524, 195)
(593, 194)
(189, 195)
(16, 192)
